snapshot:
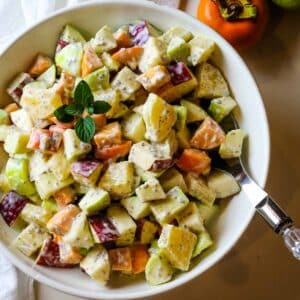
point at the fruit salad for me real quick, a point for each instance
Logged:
(110, 145)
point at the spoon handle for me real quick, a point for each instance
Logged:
(281, 224)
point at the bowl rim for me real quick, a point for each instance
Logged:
(193, 273)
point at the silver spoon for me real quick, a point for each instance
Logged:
(272, 213)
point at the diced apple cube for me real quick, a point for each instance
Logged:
(154, 78)
(35, 214)
(94, 200)
(69, 35)
(204, 241)
(150, 190)
(177, 245)
(30, 239)
(123, 223)
(69, 58)
(62, 221)
(166, 210)
(198, 188)
(50, 255)
(4, 131)
(79, 235)
(182, 82)
(15, 89)
(146, 231)
(17, 174)
(118, 179)
(48, 184)
(104, 40)
(148, 157)
(136, 207)
(126, 82)
(58, 165)
(195, 113)
(232, 146)
(211, 82)
(74, 147)
(37, 165)
(103, 230)
(98, 79)
(48, 77)
(178, 49)
(219, 108)
(133, 127)
(201, 49)
(96, 264)
(39, 102)
(110, 63)
(154, 54)
(208, 213)
(223, 184)
(86, 172)
(159, 117)
(168, 146)
(11, 205)
(181, 112)
(16, 142)
(21, 119)
(172, 178)
(190, 218)
(158, 269)
(176, 32)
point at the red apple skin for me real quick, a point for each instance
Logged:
(179, 73)
(11, 206)
(85, 168)
(104, 228)
(49, 255)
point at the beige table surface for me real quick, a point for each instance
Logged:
(259, 267)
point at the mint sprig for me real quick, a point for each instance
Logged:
(83, 101)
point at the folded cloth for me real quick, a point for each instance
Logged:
(16, 16)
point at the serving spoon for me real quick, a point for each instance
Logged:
(271, 212)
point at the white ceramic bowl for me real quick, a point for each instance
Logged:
(251, 116)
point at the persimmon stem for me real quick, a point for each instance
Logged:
(232, 10)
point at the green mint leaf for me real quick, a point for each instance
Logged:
(85, 129)
(90, 110)
(62, 116)
(83, 95)
(101, 107)
(74, 110)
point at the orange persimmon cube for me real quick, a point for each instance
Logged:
(120, 259)
(44, 140)
(154, 78)
(99, 120)
(11, 107)
(114, 151)
(123, 39)
(41, 64)
(61, 222)
(128, 56)
(90, 62)
(65, 85)
(109, 135)
(195, 161)
(140, 257)
(64, 196)
(209, 135)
